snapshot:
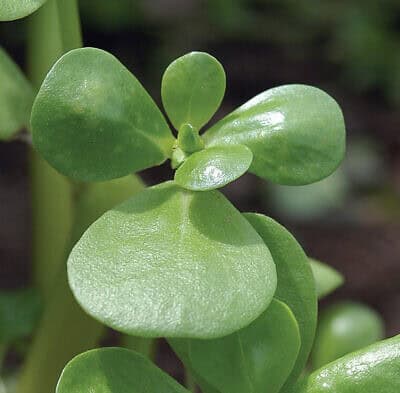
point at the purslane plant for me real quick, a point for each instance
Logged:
(234, 294)
(188, 239)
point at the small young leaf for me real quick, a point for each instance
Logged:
(343, 328)
(327, 279)
(154, 265)
(115, 370)
(16, 9)
(189, 139)
(19, 313)
(16, 97)
(193, 87)
(214, 167)
(93, 120)
(295, 282)
(256, 358)
(375, 369)
(296, 133)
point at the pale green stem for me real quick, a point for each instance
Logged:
(146, 346)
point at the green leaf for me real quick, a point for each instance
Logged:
(296, 133)
(343, 328)
(16, 9)
(375, 369)
(214, 167)
(193, 87)
(16, 97)
(115, 370)
(93, 120)
(19, 313)
(256, 358)
(296, 285)
(327, 279)
(154, 265)
(181, 347)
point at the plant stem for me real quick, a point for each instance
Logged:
(146, 346)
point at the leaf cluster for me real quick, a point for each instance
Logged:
(235, 294)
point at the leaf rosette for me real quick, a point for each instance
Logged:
(154, 265)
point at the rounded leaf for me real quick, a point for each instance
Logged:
(343, 328)
(296, 133)
(327, 279)
(93, 120)
(16, 97)
(296, 285)
(214, 167)
(192, 89)
(370, 370)
(174, 263)
(16, 9)
(115, 370)
(256, 358)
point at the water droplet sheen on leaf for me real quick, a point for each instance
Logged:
(296, 134)
(213, 168)
(374, 369)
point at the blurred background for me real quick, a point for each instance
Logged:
(349, 48)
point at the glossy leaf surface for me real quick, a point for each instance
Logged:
(16, 9)
(255, 359)
(343, 328)
(193, 87)
(370, 370)
(92, 119)
(296, 133)
(19, 313)
(175, 263)
(296, 285)
(16, 97)
(327, 279)
(214, 167)
(115, 370)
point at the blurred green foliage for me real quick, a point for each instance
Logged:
(361, 37)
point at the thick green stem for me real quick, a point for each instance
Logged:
(146, 346)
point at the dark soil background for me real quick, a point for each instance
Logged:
(351, 49)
